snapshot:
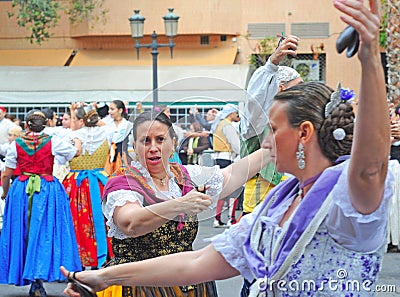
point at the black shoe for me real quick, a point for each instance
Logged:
(37, 289)
(393, 248)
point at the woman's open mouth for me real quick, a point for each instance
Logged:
(154, 160)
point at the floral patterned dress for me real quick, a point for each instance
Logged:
(84, 186)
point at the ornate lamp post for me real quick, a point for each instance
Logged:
(171, 28)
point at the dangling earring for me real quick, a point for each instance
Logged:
(301, 163)
(172, 154)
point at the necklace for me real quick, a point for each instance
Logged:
(163, 180)
(306, 183)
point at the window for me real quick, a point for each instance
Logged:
(223, 38)
(204, 39)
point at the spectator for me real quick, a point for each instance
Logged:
(226, 144)
(18, 122)
(265, 83)
(5, 125)
(193, 145)
(208, 121)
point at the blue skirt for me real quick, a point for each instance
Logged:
(36, 249)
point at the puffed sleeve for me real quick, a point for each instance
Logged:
(62, 150)
(351, 229)
(115, 199)
(230, 243)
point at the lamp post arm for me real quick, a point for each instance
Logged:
(154, 45)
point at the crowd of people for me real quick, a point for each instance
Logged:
(314, 186)
(52, 180)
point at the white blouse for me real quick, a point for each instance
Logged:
(117, 133)
(92, 137)
(211, 176)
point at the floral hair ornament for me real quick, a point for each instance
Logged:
(337, 97)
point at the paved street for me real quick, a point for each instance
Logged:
(390, 275)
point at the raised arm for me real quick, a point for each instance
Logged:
(371, 143)
(263, 86)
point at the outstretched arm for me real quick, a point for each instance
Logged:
(236, 174)
(371, 143)
(177, 269)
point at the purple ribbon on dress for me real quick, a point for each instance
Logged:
(305, 213)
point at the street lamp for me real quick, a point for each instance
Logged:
(171, 28)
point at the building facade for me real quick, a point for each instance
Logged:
(96, 60)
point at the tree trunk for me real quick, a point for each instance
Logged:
(393, 50)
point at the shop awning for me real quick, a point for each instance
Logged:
(38, 57)
(68, 84)
(198, 56)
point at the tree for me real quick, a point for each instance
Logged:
(262, 51)
(40, 16)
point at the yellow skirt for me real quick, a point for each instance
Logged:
(112, 291)
(255, 191)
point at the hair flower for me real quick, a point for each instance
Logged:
(347, 94)
(340, 95)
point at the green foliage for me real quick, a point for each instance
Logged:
(265, 48)
(382, 32)
(84, 9)
(40, 16)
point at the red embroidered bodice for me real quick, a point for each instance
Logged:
(39, 161)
